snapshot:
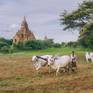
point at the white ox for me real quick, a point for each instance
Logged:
(59, 62)
(40, 61)
(89, 57)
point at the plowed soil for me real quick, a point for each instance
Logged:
(17, 75)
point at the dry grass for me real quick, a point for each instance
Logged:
(17, 75)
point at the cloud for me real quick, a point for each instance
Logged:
(13, 26)
(42, 17)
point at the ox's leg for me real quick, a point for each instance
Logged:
(49, 69)
(37, 72)
(37, 69)
(57, 71)
(92, 60)
(86, 60)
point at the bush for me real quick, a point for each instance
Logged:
(57, 45)
(11, 49)
(63, 44)
(19, 46)
(33, 45)
(5, 49)
(72, 44)
(2, 44)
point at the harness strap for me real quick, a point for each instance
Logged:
(41, 58)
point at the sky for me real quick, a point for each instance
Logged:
(42, 17)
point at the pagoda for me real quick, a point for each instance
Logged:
(23, 34)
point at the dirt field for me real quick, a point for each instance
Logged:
(17, 75)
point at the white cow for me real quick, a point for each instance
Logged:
(89, 57)
(40, 61)
(59, 62)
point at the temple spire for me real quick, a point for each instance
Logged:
(24, 19)
(24, 23)
(45, 38)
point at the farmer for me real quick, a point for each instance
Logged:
(73, 61)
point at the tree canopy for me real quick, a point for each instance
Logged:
(81, 19)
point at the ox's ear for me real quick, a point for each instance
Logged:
(54, 57)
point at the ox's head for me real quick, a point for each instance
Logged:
(51, 60)
(35, 62)
(34, 59)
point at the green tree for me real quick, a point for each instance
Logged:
(57, 45)
(86, 36)
(81, 19)
(9, 42)
(78, 18)
(38, 44)
(5, 49)
(33, 45)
